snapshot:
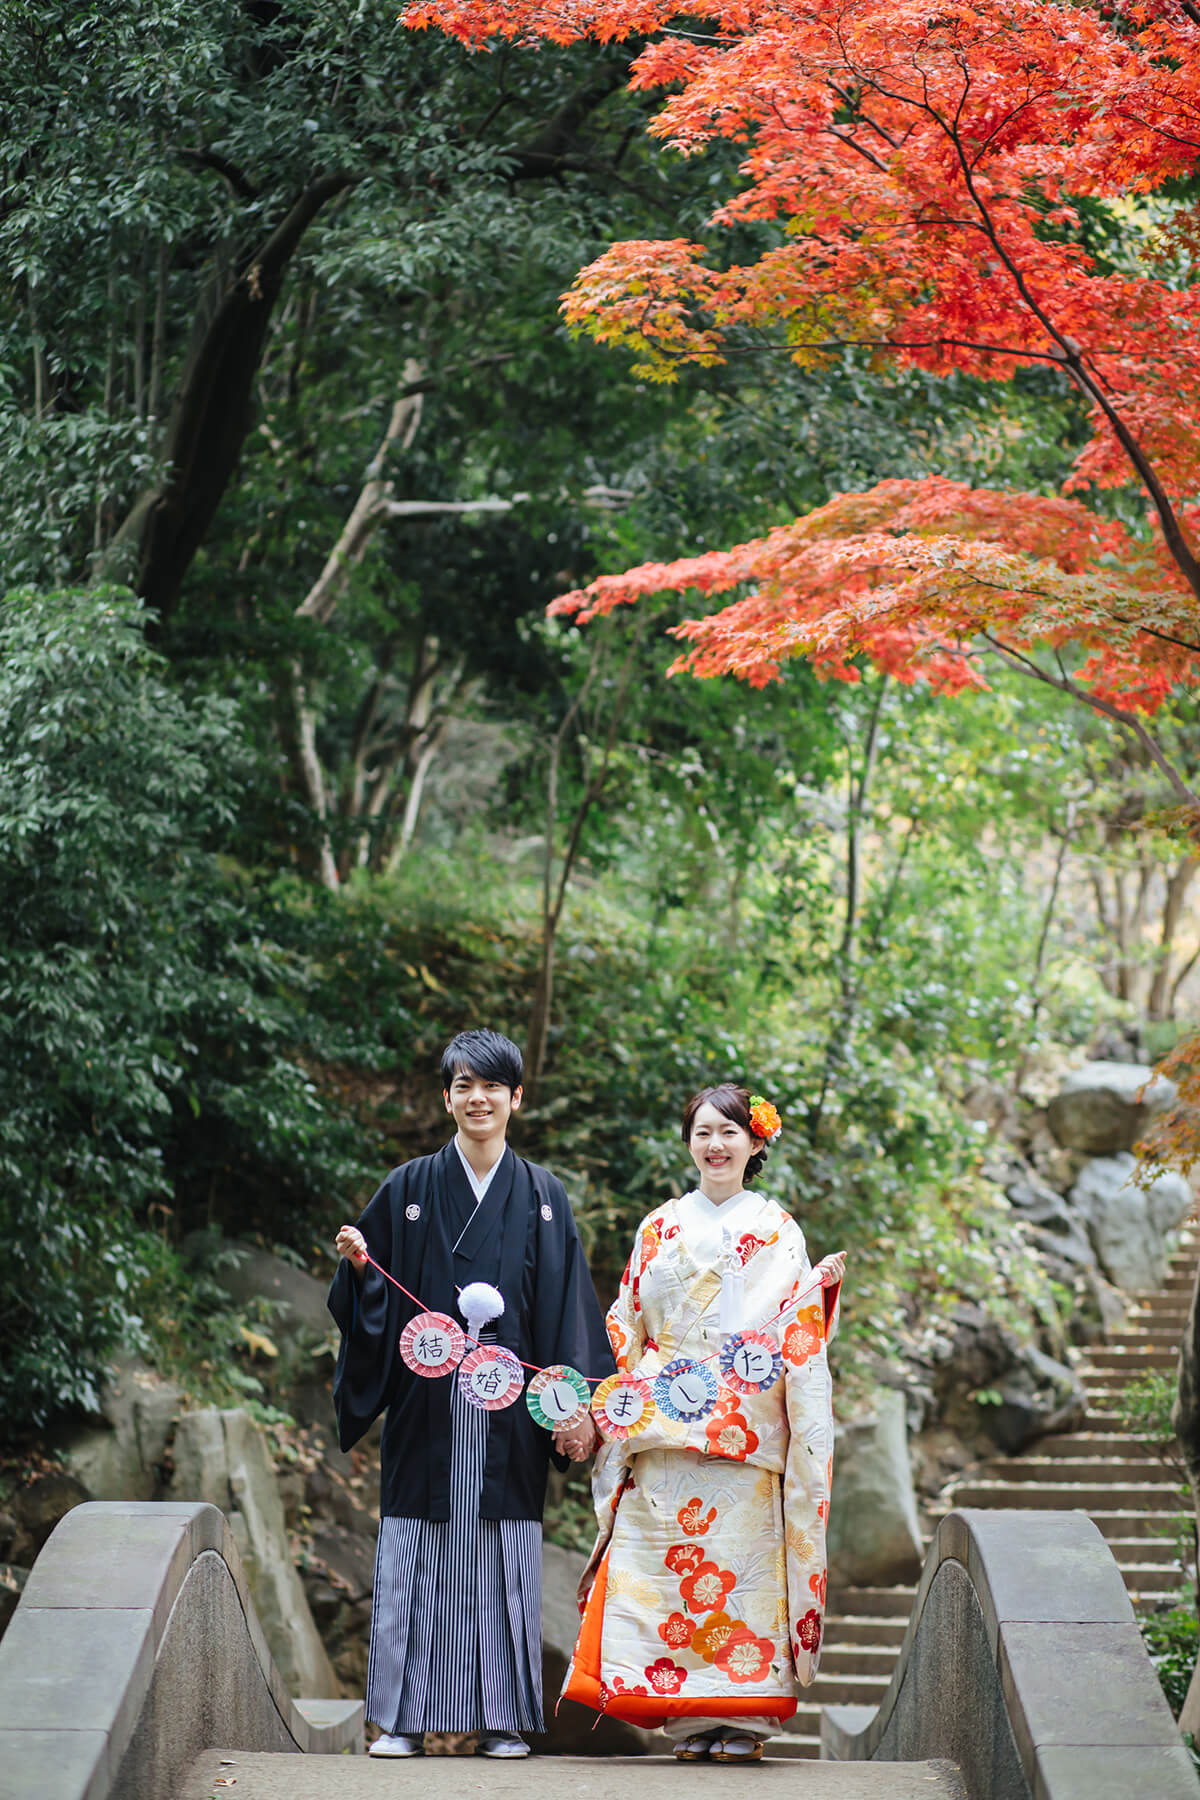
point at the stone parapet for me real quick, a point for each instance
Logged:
(134, 1648)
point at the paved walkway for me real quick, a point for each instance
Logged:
(243, 1775)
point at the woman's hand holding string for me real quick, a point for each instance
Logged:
(579, 1442)
(831, 1268)
(351, 1244)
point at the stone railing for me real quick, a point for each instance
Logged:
(1024, 1665)
(135, 1647)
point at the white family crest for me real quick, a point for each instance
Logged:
(413, 1211)
(547, 1212)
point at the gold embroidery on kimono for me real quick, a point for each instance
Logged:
(709, 1593)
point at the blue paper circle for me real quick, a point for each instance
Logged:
(766, 1362)
(700, 1382)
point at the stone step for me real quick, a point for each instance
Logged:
(1091, 1443)
(265, 1775)
(1131, 1337)
(1138, 1497)
(872, 1602)
(1059, 1469)
(848, 1690)
(802, 1749)
(887, 1632)
(1152, 1578)
(1098, 1419)
(857, 1659)
(1140, 1551)
(1129, 1363)
(1122, 1525)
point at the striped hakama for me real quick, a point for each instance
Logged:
(456, 1617)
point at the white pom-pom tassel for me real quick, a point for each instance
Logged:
(480, 1303)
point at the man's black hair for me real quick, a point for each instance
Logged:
(484, 1053)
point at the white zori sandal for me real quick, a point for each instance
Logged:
(736, 1746)
(694, 1749)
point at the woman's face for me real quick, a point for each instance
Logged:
(720, 1149)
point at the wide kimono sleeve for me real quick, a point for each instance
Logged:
(365, 1309)
(627, 1336)
(805, 1330)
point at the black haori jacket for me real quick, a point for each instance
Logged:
(523, 1240)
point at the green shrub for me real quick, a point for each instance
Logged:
(152, 1036)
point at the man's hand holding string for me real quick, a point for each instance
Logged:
(351, 1244)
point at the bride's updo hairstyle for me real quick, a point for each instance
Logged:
(734, 1102)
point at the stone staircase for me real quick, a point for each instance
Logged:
(1101, 1469)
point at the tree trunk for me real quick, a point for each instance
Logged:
(842, 1028)
(212, 413)
(1160, 1001)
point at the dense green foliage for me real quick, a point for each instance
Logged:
(261, 853)
(151, 1035)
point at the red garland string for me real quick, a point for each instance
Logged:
(592, 1380)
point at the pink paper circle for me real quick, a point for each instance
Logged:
(495, 1391)
(427, 1333)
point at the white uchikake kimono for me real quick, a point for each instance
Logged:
(709, 1593)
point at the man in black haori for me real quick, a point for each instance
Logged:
(456, 1628)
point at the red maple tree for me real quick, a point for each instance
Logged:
(924, 166)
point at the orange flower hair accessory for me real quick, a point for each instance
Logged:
(765, 1122)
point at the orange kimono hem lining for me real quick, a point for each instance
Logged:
(584, 1683)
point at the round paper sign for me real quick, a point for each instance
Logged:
(622, 1406)
(558, 1398)
(490, 1378)
(686, 1390)
(432, 1344)
(750, 1362)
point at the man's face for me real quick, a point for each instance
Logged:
(480, 1107)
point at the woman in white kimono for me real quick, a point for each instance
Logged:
(704, 1597)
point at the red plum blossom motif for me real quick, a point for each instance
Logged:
(665, 1676)
(705, 1590)
(650, 1243)
(693, 1519)
(730, 1435)
(800, 1341)
(747, 1246)
(677, 1631)
(817, 1583)
(744, 1657)
(808, 1631)
(681, 1559)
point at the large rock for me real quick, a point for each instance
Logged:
(36, 1509)
(574, 1730)
(295, 1320)
(223, 1457)
(1130, 1227)
(992, 1389)
(874, 1537)
(122, 1458)
(1098, 1108)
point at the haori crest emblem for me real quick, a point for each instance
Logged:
(547, 1212)
(413, 1211)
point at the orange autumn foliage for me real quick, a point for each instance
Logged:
(923, 168)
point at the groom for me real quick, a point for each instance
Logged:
(456, 1612)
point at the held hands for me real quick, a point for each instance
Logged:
(351, 1244)
(579, 1442)
(831, 1268)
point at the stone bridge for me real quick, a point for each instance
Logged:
(134, 1668)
